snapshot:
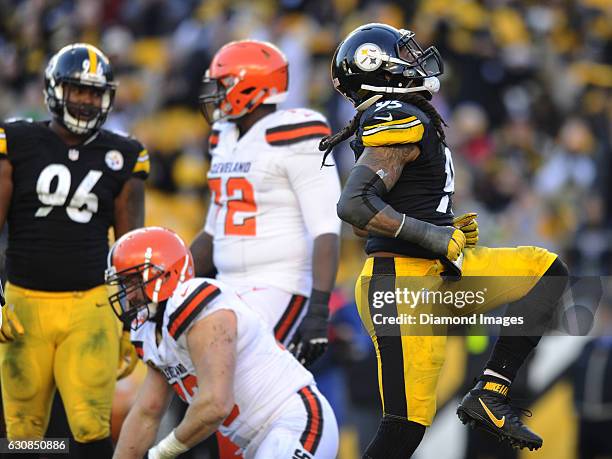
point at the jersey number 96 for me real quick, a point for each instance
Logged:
(83, 204)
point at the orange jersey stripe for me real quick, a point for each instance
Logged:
(233, 415)
(294, 309)
(138, 346)
(315, 421)
(300, 132)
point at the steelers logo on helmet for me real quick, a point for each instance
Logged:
(368, 57)
(377, 59)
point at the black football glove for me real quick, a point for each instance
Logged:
(310, 339)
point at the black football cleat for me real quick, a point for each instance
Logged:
(487, 406)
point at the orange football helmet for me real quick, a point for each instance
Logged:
(242, 76)
(147, 265)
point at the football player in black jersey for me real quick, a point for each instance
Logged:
(399, 196)
(63, 184)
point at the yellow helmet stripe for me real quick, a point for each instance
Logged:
(93, 59)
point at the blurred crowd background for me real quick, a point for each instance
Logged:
(526, 95)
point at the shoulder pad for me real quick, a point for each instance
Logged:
(391, 122)
(187, 303)
(137, 151)
(121, 133)
(16, 119)
(16, 129)
(216, 130)
(125, 137)
(290, 127)
(213, 139)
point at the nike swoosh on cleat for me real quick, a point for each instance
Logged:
(499, 423)
(384, 118)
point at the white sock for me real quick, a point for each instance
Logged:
(488, 372)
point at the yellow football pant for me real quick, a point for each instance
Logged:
(71, 340)
(409, 366)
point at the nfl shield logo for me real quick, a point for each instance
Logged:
(73, 154)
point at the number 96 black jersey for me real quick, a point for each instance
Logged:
(425, 187)
(63, 203)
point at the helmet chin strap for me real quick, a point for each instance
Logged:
(431, 84)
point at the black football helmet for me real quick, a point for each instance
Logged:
(377, 59)
(75, 65)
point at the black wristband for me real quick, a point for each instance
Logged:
(319, 297)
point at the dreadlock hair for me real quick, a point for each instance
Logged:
(329, 142)
(425, 106)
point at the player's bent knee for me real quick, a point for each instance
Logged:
(89, 426)
(536, 259)
(557, 268)
(22, 427)
(532, 252)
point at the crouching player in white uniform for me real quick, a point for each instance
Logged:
(199, 338)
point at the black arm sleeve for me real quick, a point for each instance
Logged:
(361, 198)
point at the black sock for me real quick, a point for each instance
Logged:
(538, 308)
(396, 438)
(97, 449)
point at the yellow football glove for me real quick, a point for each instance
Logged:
(455, 245)
(468, 224)
(11, 326)
(127, 356)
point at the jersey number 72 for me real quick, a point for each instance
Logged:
(239, 197)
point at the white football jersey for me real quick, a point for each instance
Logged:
(270, 199)
(266, 375)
